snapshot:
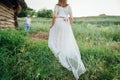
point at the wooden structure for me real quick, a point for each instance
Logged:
(8, 12)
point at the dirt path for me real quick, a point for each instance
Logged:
(39, 35)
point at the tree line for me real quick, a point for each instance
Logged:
(44, 13)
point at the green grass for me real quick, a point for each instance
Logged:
(24, 58)
(99, 20)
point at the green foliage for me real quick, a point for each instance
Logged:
(44, 13)
(99, 20)
(39, 63)
(116, 36)
(33, 60)
(24, 12)
(11, 41)
(100, 64)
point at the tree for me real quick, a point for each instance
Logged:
(44, 13)
(24, 12)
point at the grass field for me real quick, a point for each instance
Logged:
(27, 57)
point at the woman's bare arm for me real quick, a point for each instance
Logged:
(54, 18)
(71, 18)
(53, 21)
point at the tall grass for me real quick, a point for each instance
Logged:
(22, 58)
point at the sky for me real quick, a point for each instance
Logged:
(81, 8)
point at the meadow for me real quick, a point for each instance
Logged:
(28, 57)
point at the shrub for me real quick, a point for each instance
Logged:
(44, 13)
(11, 40)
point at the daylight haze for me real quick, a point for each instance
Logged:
(81, 7)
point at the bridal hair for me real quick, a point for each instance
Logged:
(62, 3)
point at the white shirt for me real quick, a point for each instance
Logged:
(27, 20)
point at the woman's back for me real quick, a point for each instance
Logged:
(62, 11)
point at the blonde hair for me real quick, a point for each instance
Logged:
(62, 3)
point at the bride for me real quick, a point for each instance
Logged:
(62, 42)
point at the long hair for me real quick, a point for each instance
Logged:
(62, 3)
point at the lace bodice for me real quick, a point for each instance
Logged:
(63, 11)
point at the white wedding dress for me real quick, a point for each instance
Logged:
(63, 44)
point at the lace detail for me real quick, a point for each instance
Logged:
(62, 43)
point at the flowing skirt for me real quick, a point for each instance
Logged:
(62, 43)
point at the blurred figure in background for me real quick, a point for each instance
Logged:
(27, 23)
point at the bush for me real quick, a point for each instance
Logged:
(45, 13)
(24, 12)
(12, 43)
(11, 40)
